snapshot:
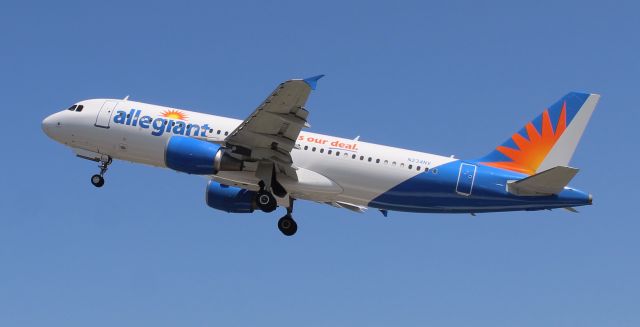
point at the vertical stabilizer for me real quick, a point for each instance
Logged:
(547, 141)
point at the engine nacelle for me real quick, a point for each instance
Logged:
(230, 198)
(198, 157)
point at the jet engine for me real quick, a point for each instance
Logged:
(193, 156)
(230, 198)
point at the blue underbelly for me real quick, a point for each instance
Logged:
(438, 190)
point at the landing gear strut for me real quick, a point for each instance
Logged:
(98, 179)
(286, 224)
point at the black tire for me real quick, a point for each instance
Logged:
(97, 180)
(266, 201)
(287, 225)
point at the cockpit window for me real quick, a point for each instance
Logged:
(72, 108)
(80, 107)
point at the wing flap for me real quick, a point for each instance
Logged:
(348, 206)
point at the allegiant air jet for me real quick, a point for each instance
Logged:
(267, 160)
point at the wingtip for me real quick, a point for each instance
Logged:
(313, 81)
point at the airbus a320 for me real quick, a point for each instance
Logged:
(270, 160)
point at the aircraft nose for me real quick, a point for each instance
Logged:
(48, 125)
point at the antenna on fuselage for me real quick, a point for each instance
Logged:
(126, 98)
(357, 138)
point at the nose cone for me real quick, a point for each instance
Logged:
(48, 125)
(52, 126)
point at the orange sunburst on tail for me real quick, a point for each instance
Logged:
(174, 114)
(533, 148)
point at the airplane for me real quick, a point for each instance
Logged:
(269, 159)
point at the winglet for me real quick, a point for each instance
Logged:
(313, 81)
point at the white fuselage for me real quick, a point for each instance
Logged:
(330, 169)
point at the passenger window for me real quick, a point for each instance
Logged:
(361, 157)
(418, 168)
(353, 156)
(306, 147)
(211, 130)
(386, 162)
(369, 159)
(377, 160)
(329, 152)
(394, 163)
(72, 108)
(410, 166)
(219, 131)
(80, 107)
(313, 149)
(226, 133)
(402, 164)
(322, 150)
(337, 153)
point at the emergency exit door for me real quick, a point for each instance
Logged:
(466, 177)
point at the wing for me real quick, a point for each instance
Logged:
(270, 132)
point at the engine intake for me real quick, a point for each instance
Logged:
(198, 157)
(230, 198)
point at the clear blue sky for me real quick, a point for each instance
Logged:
(444, 77)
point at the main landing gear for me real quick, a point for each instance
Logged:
(266, 202)
(286, 224)
(98, 179)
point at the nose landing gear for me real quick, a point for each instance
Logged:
(98, 179)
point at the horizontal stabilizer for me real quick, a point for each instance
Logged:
(548, 182)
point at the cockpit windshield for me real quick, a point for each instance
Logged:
(76, 108)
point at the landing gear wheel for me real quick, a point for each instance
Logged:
(266, 201)
(97, 180)
(287, 225)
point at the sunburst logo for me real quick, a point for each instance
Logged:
(174, 114)
(533, 148)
